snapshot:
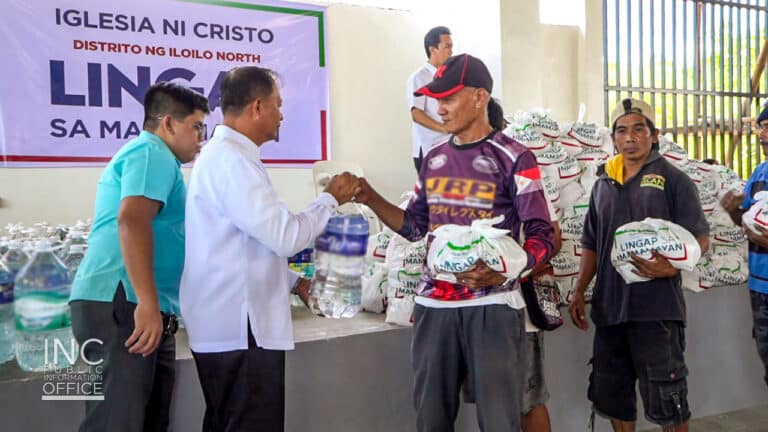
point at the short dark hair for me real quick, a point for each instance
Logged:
(495, 114)
(432, 38)
(167, 98)
(242, 85)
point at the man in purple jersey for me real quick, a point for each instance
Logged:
(471, 333)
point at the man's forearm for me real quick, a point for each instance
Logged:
(736, 215)
(389, 214)
(557, 243)
(428, 122)
(136, 246)
(703, 243)
(587, 270)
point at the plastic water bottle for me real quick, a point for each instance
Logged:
(57, 243)
(15, 258)
(76, 247)
(3, 245)
(7, 332)
(44, 339)
(74, 237)
(339, 264)
(301, 263)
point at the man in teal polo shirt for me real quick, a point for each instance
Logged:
(126, 291)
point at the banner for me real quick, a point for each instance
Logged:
(75, 72)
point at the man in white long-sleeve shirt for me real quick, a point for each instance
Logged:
(235, 289)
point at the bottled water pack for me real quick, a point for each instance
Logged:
(339, 259)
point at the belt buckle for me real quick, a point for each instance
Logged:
(171, 324)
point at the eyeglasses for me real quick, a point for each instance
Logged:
(760, 128)
(200, 127)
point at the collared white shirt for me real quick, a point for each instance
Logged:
(423, 138)
(239, 235)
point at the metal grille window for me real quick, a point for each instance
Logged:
(700, 63)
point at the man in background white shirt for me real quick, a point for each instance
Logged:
(428, 128)
(236, 286)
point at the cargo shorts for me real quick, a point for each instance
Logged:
(650, 354)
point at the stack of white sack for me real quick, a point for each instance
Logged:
(728, 251)
(588, 134)
(730, 264)
(591, 146)
(572, 222)
(703, 277)
(597, 148)
(572, 146)
(374, 291)
(565, 269)
(458, 248)
(565, 170)
(670, 240)
(375, 279)
(574, 200)
(527, 135)
(722, 228)
(716, 267)
(568, 158)
(567, 261)
(725, 264)
(552, 192)
(671, 151)
(539, 120)
(404, 265)
(537, 131)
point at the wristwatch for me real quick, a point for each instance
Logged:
(298, 281)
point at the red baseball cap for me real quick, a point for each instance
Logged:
(457, 72)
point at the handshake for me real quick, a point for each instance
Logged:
(347, 187)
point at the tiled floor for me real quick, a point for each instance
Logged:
(747, 420)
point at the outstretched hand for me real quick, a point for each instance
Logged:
(732, 200)
(759, 238)
(344, 187)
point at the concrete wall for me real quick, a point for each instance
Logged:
(589, 64)
(373, 52)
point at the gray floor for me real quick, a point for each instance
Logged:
(753, 419)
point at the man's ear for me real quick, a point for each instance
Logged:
(255, 108)
(481, 98)
(166, 124)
